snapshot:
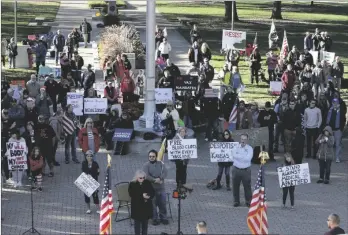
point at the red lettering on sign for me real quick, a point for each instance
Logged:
(233, 34)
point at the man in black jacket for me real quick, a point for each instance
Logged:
(173, 69)
(88, 79)
(59, 43)
(268, 117)
(86, 30)
(211, 108)
(291, 120)
(52, 89)
(337, 72)
(76, 67)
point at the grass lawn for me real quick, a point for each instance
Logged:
(102, 3)
(26, 12)
(254, 17)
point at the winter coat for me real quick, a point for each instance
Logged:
(325, 150)
(77, 63)
(206, 54)
(272, 62)
(12, 50)
(43, 105)
(127, 85)
(288, 80)
(255, 64)
(93, 171)
(337, 70)
(33, 88)
(17, 114)
(31, 115)
(226, 164)
(59, 42)
(56, 123)
(308, 43)
(246, 122)
(318, 76)
(293, 57)
(141, 208)
(7, 102)
(83, 139)
(306, 76)
(191, 55)
(51, 87)
(88, 79)
(36, 164)
(41, 51)
(85, 27)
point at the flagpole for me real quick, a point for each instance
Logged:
(110, 215)
(264, 157)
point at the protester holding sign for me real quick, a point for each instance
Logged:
(17, 156)
(291, 189)
(91, 167)
(36, 162)
(89, 137)
(181, 165)
(224, 166)
(325, 154)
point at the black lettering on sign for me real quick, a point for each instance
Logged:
(9, 145)
(15, 153)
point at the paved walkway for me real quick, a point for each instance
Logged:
(60, 208)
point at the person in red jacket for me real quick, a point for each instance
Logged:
(111, 94)
(89, 137)
(127, 87)
(288, 79)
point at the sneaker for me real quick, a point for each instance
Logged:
(40, 189)
(320, 181)
(29, 178)
(76, 161)
(326, 182)
(217, 187)
(155, 222)
(292, 208)
(338, 161)
(67, 161)
(19, 184)
(164, 221)
(56, 164)
(236, 204)
(51, 174)
(88, 212)
(214, 139)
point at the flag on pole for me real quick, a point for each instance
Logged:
(273, 37)
(285, 47)
(106, 207)
(255, 41)
(233, 117)
(257, 215)
(162, 150)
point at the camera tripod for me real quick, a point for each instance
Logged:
(32, 230)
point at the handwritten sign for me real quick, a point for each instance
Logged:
(99, 87)
(294, 175)
(257, 136)
(122, 135)
(76, 101)
(186, 83)
(222, 151)
(233, 39)
(95, 105)
(275, 87)
(327, 56)
(315, 56)
(17, 155)
(182, 149)
(211, 93)
(87, 184)
(163, 95)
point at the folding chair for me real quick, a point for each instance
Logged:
(123, 200)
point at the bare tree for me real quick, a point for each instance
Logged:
(277, 10)
(228, 10)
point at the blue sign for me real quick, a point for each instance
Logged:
(123, 135)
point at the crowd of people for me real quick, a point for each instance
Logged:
(309, 110)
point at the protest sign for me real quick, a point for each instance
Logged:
(293, 175)
(17, 155)
(211, 93)
(179, 149)
(163, 95)
(222, 151)
(275, 87)
(186, 83)
(32, 37)
(18, 87)
(95, 105)
(122, 135)
(315, 56)
(87, 184)
(76, 101)
(257, 136)
(99, 87)
(233, 39)
(327, 56)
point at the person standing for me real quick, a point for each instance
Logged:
(181, 165)
(40, 51)
(141, 193)
(56, 123)
(59, 43)
(76, 67)
(156, 172)
(12, 53)
(36, 162)
(291, 189)
(165, 48)
(290, 120)
(333, 222)
(52, 90)
(326, 142)
(241, 171)
(86, 30)
(43, 103)
(91, 167)
(312, 120)
(288, 79)
(88, 137)
(337, 73)
(3, 51)
(255, 66)
(33, 87)
(88, 78)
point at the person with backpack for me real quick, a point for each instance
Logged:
(12, 53)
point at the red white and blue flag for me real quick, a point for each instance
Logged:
(106, 207)
(232, 122)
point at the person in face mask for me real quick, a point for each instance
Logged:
(156, 173)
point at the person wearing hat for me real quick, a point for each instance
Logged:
(43, 103)
(59, 43)
(76, 66)
(44, 139)
(91, 167)
(40, 54)
(33, 86)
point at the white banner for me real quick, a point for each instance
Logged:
(182, 149)
(163, 95)
(275, 87)
(87, 184)
(222, 151)
(99, 87)
(76, 100)
(95, 105)
(293, 175)
(233, 39)
(328, 56)
(315, 56)
(17, 155)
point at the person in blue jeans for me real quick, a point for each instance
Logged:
(156, 172)
(70, 126)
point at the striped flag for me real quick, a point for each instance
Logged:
(255, 41)
(272, 37)
(233, 117)
(285, 47)
(162, 150)
(257, 216)
(106, 207)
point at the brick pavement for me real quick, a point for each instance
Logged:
(60, 208)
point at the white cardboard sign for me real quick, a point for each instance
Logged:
(222, 151)
(275, 87)
(233, 39)
(95, 105)
(87, 184)
(76, 100)
(163, 95)
(294, 175)
(179, 149)
(17, 155)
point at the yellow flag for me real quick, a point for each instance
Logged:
(162, 150)
(109, 160)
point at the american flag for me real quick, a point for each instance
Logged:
(233, 117)
(106, 207)
(285, 47)
(257, 216)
